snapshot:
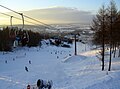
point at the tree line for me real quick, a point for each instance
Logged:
(9, 35)
(106, 25)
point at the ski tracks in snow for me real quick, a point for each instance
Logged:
(10, 81)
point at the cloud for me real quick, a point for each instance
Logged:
(55, 15)
(61, 15)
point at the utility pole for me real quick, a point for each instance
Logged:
(75, 46)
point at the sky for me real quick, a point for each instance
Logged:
(56, 11)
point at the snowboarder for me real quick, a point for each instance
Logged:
(44, 84)
(29, 62)
(26, 68)
(57, 57)
(6, 61)
(13, 59)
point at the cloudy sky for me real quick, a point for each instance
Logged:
(55, 11)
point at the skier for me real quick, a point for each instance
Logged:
(28, 86)
(44, 84)
(26, 68)
(29, 62)
(6, 61)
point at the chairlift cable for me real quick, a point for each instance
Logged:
(36, 25)
(10, 9)
(49, 26)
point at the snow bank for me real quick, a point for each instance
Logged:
(90, 53)
(77, 72)
(74, 58)
(110, 81)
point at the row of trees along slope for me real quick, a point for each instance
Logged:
(7, 38)
(106, 26)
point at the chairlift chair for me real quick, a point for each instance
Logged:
(19, 37)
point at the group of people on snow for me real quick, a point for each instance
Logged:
(41, 84)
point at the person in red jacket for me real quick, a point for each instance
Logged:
(28, 87)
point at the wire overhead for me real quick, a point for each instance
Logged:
(36, 25)
(46, 25)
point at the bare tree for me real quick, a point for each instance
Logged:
(99, 27)
(106, 25)
(112, 15)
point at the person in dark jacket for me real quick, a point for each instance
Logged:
(26, 68)
(44, 84)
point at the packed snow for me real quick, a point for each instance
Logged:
(58, 64)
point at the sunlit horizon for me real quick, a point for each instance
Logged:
(54, 11)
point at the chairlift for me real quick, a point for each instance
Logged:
(11, 31)
(25, 35)
(19, 36)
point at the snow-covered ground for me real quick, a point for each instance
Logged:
(59, 65)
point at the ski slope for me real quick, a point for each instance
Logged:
(58, 64)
